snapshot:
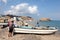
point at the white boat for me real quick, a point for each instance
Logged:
(36, 30)
(3, 23)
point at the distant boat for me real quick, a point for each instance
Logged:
(36, 30)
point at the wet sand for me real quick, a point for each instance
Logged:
(4, 36)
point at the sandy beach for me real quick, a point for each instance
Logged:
(4, 36)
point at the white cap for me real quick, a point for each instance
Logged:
(26, 23)
(14, 18)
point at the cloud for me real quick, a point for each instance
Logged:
(32, 9)
(5, 1)
(12, 6)
(23, 8)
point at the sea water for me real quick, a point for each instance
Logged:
(52, 23)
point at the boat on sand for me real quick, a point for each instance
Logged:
(35, 30)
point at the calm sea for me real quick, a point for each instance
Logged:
(53, 23)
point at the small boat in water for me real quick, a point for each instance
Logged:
(35, 30)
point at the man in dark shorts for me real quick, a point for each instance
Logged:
(11, 24)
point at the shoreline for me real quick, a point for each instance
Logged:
(4, 36)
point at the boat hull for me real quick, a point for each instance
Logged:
(35, 31)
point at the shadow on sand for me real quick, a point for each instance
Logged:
(32, 34)
(4, 26)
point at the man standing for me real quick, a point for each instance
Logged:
(11, 24)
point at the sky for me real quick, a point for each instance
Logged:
(34, 8)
